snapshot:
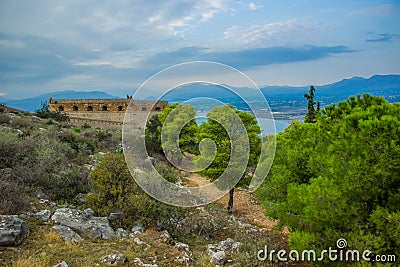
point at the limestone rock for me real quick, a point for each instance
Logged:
(61, 264)
(218, 258)
(138, 228)
(139, 242)
(122, 233)
(12, 230)
(84, 222)
(67, 233)
(114, 259)
(43, 215)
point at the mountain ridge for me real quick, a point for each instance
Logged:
(386, 85)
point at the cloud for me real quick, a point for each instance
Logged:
(381, 10)
(177, 17)
(383, 37)
(273, 34)
(247, 58)
(253, 6)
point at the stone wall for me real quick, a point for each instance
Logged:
(107, 113)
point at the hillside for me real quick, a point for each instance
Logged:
(46, 186)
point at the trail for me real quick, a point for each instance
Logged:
(245, 204)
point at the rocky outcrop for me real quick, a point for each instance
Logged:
(218, 258)
(13, 230)
(137, 229)
(67, 233)
(84, 222)
(217, 251)
(114, 259)
(43, 215)
(187, 256)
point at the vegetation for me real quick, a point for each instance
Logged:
(44, 113)
(180, 121)
(115, 190)
(339, 178)
(52, 158)
(311, 111)
(214, 130)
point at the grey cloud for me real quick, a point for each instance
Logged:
(383, 37)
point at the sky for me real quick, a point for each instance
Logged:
(114, 46)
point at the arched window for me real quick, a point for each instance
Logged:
(60, 108)
(105, 108)
(75, 108)
(89, 108)
(157, 109)
(121, 108)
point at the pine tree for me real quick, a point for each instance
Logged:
(310, 116)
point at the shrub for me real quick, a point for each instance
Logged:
(114, 189)
(339, 178)
(12, 198)
(4, 118)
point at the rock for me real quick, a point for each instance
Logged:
(228, 244)
(39, 194)
(122, 233)
(13, 230)
(114, 259)
(138, 228)
(67, 233)
(187, 257)
(19, 132)
(61, 264)
(138, 262)
(84, 222)
(182, 246)
(43, 215)
(218, 258)
(116, 215)
(139, 242)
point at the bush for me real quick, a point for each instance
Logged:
(4, 118)
(12, 198)
(39, 160)
(339, 178)
(114, 189)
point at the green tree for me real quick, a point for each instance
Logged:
(312, 112)
(153, 136)
(223, 128)
(179, 127)
(339, 178)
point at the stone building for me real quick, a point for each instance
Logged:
(107, 113)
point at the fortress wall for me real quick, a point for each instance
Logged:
(107, 113)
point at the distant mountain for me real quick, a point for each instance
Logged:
(387, 86)
(34, 103)
(338, 91)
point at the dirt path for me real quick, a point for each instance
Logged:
(245, 204)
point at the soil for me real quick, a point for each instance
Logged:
(245, 204)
